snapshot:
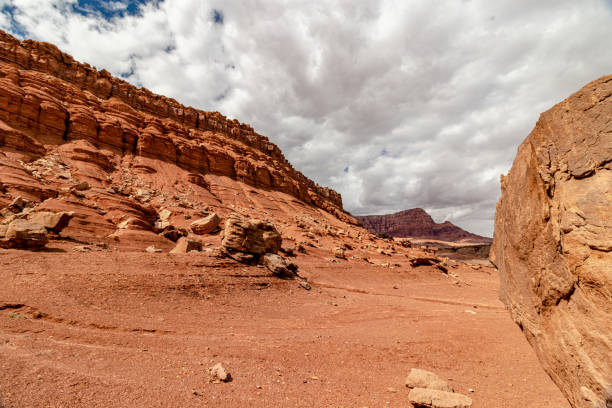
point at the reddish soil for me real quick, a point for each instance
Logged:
(133, 329)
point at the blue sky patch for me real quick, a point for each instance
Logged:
(217, 16)
(15, 29)
(110, 8)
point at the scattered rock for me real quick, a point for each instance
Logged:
(279, 266)
(164, 215)
(218, 374)
(205, 225)
(427, 398)
(81, 248)
(82, 186)
(287, 251)
(18, 204)
(124, 224)
(52, 221)
(172, 233)
(339, 252)
(185, 245)
(418, 378)
(428, 260)
(151, 249)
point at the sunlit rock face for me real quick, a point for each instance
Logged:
(553, 243)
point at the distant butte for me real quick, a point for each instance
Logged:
(416, 223)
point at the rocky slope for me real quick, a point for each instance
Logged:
(553, 243)
(64, 123)
(416, 223)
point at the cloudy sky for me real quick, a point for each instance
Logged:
(395, 104)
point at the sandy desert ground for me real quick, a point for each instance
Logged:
(118, 329)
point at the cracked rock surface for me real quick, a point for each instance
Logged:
(553, 243)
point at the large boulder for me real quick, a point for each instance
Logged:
(553, 243)
(23, 234)
(248, 239)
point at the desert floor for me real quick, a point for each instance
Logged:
(133, 329)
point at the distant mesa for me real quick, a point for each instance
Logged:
(416, 223)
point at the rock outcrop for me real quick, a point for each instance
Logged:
(553, 243)
(416, 223)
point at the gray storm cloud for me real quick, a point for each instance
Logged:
(395, 104)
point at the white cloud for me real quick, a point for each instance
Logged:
(447, 89)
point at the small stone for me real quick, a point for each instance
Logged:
(278, 265)
(305, 285)
(340, 253)
(19, 204)
(185, 245)
(82, 186)
(164, 215)
(151, 249)
(418, 378)
(81, 248)
(218, 373)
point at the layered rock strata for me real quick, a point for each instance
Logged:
(50, 101)
(553, 243)
(416, 223)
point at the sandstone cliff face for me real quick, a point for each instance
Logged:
(553, 243)
(51, 104)
(416, 223)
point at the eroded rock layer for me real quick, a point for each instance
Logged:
(60, 111)
(553, 243)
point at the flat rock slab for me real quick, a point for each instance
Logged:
(426, 398)
(426, 379)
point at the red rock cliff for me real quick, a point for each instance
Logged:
(416, 223)
(48, 99)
